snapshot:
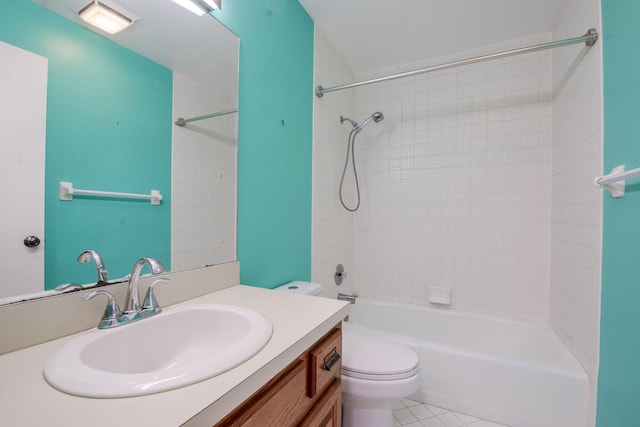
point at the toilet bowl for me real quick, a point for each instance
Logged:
(375, 372)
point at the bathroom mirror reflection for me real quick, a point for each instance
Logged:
(98, 110)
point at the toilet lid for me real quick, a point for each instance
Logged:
(369, 357)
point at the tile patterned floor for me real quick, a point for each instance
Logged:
(409, 413)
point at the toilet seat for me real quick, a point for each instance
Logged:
(379, 377)
(370, 358)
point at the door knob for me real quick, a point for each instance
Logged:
(31, 241)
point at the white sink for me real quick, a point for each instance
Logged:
(178, 347)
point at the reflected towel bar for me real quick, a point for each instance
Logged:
(615, 181)
(182, 122)
(67, 191)
(588, 39)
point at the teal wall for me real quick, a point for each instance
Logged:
(619, 379)
(275, 139)
(109, 116)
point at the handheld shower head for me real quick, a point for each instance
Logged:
(376, 117)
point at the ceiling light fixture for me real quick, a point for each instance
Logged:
(199, 7)
(107, 16)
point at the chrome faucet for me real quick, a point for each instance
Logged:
(87, 256)
(346, 297)
(132, 312)
(132, 300)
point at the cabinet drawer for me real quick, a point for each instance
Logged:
(278, 404)
(325, 362)
(328, 411)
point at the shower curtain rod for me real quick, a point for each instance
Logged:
(589, 39)
(182, 122)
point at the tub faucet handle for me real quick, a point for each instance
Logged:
(340, 274)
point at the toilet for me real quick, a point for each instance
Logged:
(375, 372)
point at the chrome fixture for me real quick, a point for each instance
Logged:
(66, 287)
(351, 142)
(182, 122)
(132, 312)
(150, 302)
(89, 255)
(376, 117)
(112, 315)
(132, 300)
(347, 297)
(589, 39)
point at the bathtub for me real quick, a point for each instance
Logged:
(512, 372)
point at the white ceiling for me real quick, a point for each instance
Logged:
(376, 34)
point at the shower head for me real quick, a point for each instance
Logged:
(346, 119)
(376, 117)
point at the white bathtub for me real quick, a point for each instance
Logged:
(512, 372)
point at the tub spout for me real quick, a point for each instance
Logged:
(347, 297)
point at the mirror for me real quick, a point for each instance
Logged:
(111, 103)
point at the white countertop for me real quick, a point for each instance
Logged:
(26, 399)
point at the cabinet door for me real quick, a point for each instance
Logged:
(327, 412)
(287, 399)
(281, 403)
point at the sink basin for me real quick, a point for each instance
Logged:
(178, 347)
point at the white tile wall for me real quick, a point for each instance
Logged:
(332, 225)
(576, 213)
(478, 179)
(456, 185)
(204, 154)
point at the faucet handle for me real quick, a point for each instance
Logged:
(111, 312)
(68, 287)
(150, 302)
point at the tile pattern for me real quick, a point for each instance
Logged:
(203, 229)
(409, 413)
(456, 185)
(332, 225)
(576, 213)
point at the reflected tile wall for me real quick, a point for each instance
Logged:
(204, 162)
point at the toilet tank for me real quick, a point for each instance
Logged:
(300, 287)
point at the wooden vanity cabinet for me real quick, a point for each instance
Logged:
(306, 393)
